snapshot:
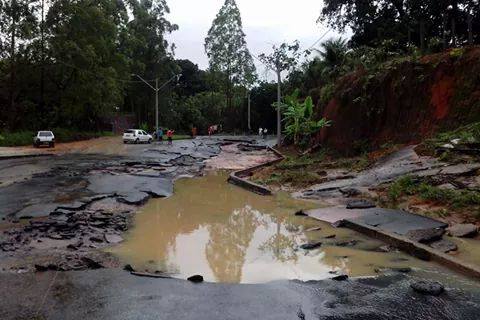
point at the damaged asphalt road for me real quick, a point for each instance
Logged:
(114, 294)
(64, 207)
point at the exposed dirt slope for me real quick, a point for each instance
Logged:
(404, 101)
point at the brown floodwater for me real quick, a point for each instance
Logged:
(228, 234)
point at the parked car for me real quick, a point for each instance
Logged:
(136, 136)
(44, 138)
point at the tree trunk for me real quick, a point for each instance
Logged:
(422, 36)
(12, 113)
(444, 31)
(42, 62)
(470, 28)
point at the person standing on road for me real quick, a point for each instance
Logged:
(170, 136)
(265, 133)
(160, 135)
(260, 132)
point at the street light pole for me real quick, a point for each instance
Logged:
(156, 105)
(157, 90)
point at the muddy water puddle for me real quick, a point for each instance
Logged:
(227, 234)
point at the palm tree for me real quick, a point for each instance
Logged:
(333, 54)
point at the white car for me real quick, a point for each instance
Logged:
(136, 136)
(44, 138)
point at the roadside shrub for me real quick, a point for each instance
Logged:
(15, 139)
(326, 93)
(24, 138)
(404, 185)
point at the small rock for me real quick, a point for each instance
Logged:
(338, 224)
(350, 192)
(195, 279)
(385, 248)
(96, 239)
(301, 213)
(113, 238)
(341, 277)
(128, 268)
(444, 245)
(349, 243)
(425, 235)
(92, 264)
(313, 229)
(55, 236)
(402, 269)
(75, 246)
(311, 246)
(463, 230)
(360, 204)
(432, 288)
(46, 267)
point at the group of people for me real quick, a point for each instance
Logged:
(169, 133)
(263, 133)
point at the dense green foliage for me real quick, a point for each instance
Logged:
(72, 64)
(436, 24)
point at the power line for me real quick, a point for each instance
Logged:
(101, 76)
(319, 39)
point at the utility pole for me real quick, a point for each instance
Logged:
(279, 101)
(249, 112)
(156, 105)
(157, 90)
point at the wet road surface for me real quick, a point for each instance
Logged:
(65, 184)
(115, 294)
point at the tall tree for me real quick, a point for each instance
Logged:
(227, 50)
(17, 22)
(149, 54)
(83, 45)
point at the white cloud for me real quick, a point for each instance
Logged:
(265, 22)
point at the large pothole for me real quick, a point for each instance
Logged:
(227, 234)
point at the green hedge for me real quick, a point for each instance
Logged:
(24, 138)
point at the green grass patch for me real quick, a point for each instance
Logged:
(301, 162)
(181, 137)
(409, 186)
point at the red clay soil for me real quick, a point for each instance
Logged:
(405, 102)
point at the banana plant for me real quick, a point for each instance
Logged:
(298, 117)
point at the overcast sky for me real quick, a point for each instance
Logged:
(265, 22)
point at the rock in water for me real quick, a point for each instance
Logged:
(128, 268)
(425, 235)
(463, 230)
(444, 245)
(341, 277)
(431, 288)
(311, 246)
(360, 204)
(301, 213)
(195, 279)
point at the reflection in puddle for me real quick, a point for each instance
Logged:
(227, 234)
